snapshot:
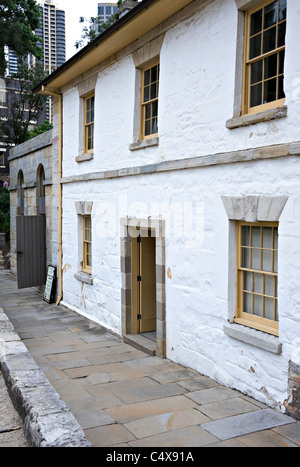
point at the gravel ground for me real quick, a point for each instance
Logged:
(9, 419)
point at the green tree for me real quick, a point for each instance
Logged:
(46, 126)
(18, 20)
(93, 27)
(24, 106)
(4, 210)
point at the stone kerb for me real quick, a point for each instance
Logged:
(47, 419)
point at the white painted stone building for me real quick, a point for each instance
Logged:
(214, 175)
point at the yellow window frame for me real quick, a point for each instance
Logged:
(247, 109)
(260, 279)
(87, 244)
(89, 121)
(149, 104)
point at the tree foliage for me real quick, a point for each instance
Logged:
(4, 210)
(18, 20)
(24, 106)
(46, 126)
(94, 27)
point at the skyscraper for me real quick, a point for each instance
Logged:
(105, 10)
(52, 34)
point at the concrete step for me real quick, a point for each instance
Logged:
(141, 342)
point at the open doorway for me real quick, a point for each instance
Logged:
(143, 284)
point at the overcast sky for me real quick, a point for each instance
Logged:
(74, 9)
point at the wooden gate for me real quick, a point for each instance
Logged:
(31, 251)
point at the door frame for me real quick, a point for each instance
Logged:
(129, 228)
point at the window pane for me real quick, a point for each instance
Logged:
(269, 308)
(275, 262)
(275, 241)
(256, 236)
(256, 259)
(147, 77)
(258, 305)
(282, 10)
(267, 260)
(256, 95)
(248, 281)
(269, 285)
(154, 126)
(269, 40)
(281, 62)
(154, 109)
(153, 74)
(281, 34)
(256, 72)
(247, 303)
(270, 90)
(256, 23)
(245, 258)
(246, 236)
(270, 15)
(147, 128)
(146, 94)
(148, 111)
(153, 91)
(258, 283)
(267, 237)
(255, 46)
(270, 66)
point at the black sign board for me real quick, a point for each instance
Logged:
(50, 284)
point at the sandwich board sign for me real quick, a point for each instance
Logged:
(50, 284)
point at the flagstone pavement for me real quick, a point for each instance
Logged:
(121, 396)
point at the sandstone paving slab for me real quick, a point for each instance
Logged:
(150, 393)
(123, 390)
(161, 423)
(71, 363)
(193, 436)
(197, 383)
(227, 408)
(173, 376)
(100, 378)
(266, 439)
(130, 412)
(83, 405)
(243, 424)
(104, 436)
(290, 431)
(94, 418)
(228, 443)
(215, 394)
(71, 390)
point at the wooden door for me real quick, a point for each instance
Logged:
(31, 251)
(148, 285)
(143, 292)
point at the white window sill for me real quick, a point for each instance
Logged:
(246, 120)
(84, 277)
(253, 337)
(146, 143)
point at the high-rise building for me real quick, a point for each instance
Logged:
(52, 32)
(105, 10)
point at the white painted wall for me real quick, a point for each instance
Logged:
(196, 98)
